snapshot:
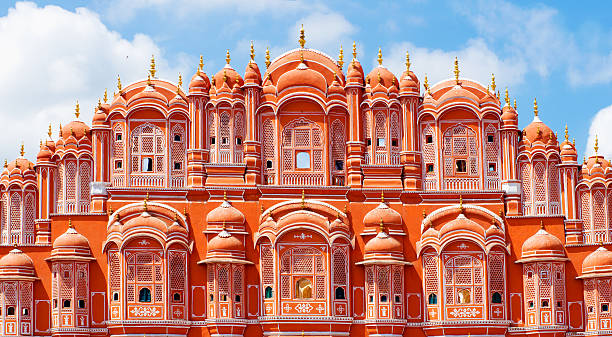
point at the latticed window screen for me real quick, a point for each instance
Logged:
(553, 186)
(460, 152)
(302, 153)
(144, 269)
(82, 283)
(267, 266)
(27, 234)
(463, 280)
(148, 149)
(429, 157)
(15, 226)
(380, 141)
(85, 177)
(492, 156)
(366, 119)
(71, 174)
(338, 152)
(559, 285)
(585, 211)
(178, 273)
(238, 137)
(430, 264)
(599, 215)
(340, 269)
(269, 151)
(529, 277)
(525, 170)
(25, 298)
(306, 262)
(396, 141)
(118, 146)
(496, 275)
(178, 162)
(3, 219)
(59, 187)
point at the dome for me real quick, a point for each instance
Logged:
(99, 117)
(16, 259)
(456, 92)
(227, 75)
(461, 223)
(409, 83)
(312, 59)
(381, 75)
(509, 115)
(382, 213)
(542, 246)
(300, 77)
(71, 239)
(199, 83)
(383, 243)
(335, 88)
(494, 231)
(22, 164)
(538, 131)
(568, 151)
(252, 75)
(178, 100)
(268, 88)
(149, 92)
(76, 128)
(44, 154)
(225, 214)
(224, 242)
(595, 165)
(598, 263)
(355, 73)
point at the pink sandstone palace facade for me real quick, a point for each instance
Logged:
(311, 200)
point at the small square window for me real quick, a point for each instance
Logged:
(115, 296)
(339, 165)
(398, 299)
(559, 304)
(177, 137)
(371, 299)
(394, 142)
(211, 297)
(490, 138)
(460, 166)
(381, 142)
(176, 297)
(177, 165)
(529, 274)
(223, 297)
(66, 274)
(545, 304)
(147, 164)
(224, 140)
(492, 167)
(81, 304)
(25, 312)
(237, 299)
(369, 141)
(383, 298)
(212, 140)
(238, 141)
(430, 168)
(268, 164)
(591, 309)
(605, 307)
(118, 137)
(530, 304)
(66, 304)
(54, 304)
(118, 164)
(558, 275)
(428, 139)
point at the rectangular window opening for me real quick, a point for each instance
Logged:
(460, 166)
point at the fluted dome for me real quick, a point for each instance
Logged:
(355, 73)
(381, 75)
(21, 164)
(598, 263)
(224, 242)
(382, 213)
(149, 93)
(383, 243)
(302, 76)
(228, 76)
(225, 214)
(76, 128)
(71, 246)
(252, 75)
(199, 83)
(542, 246)
(537, 131)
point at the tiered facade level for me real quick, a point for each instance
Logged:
(308, 201)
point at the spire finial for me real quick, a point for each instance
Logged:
(60, 130)
(302, 39)
(105, 95)
(426, 85)
(382, 225)
(535, 107)
(119, 84)
(354, 51)
(493, 86)
(5, 163)
(566, 134)
(596, 147)
(507, 98)
(267, 57)
(149, 79)
(461, 204)
(382, 197)
(49, 131)
(574, 142)
(456, 70)
(224, 195)
(515, 104)
(542, 225)
(407, 62)
(252, 52)
(21, 150)
(70, 223)
(152, 70)
(146, 200)
(227, 57)
(99, 105)
(303, 199)
(77, 109)
(201, 64)
(341, 57)
(380, 56)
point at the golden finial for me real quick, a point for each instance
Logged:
(541, 224)
(49, 131)
(303, 199)
(252, 52)
(456, 70)
(596, 146)
(426, 85)
(72, 132)
(379, 57)
(535, 107)
(301, 57)
(507, 98)
(119, 84)
(99, 105)
(382, 196)
(77, 109)
(267, 57)
(5, 163)
(501, 213)
(382, 225)
(22, 151)
(41, 143)
(379, 77)
(461, 204)
(180, 80)
(493, 86)
(152, 70)
(424, 214)
(354, 51)
(224, 195)
(60, 130)
(201, 65)
(227, 57)
(566, 133)
(341, 57)
(515, 104)
(70, 223)
(146, 200)
(149, 79)
(574, 142)
(224, 76)
(407, 62)
(302, 39)
(105, 95)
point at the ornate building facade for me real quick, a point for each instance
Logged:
(312, 200)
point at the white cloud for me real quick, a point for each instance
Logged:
(476, 61)
(64, 56)
(600, 127)
(324, 31)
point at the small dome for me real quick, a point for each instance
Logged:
(335, 88)
(509, 115)
(76, 128)
(409, 83)
(494, 231)
(71, 239)
(148, 92)
(595, 165)
(456, 92)
(597, 263)
(252, 75)
(16, 264)
(225, 213)
(300, 77)
(381, 75)
(542, 246)
(227, 75)
(461, 223)
(21, 164)
(199, 83)
(537, 131)
(44, 154)
(382, 213)
(99, 117)
(224, 242)
(178, 100)
(568, 151)
(355, 73)
(118, 101)
(383, 243)
(268, 88)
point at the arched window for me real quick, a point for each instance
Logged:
(460, 153)
(432, 299)
(303, 288)
(496, 298)
(144, 295)
(340, 293)
(463, 280)
(268, 292)
(302, 153)
(148, 155)
(429, 158)
(10, 311)
(338, 151)
(464, 296)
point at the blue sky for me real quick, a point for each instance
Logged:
(57, 52)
